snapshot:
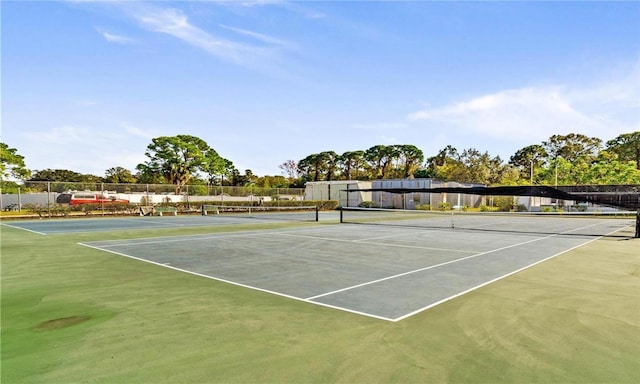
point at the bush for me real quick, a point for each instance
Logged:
(197, 190)
(88, 208)
(36, 208)
(504, 203)
(323, 205)
(423, 207)
(444, 206)
(114, 208)
(47, 209)
(486, 208)
(521, 208)
(367, 204)
(581, 207)
(327, 205)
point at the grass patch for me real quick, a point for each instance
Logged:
(112, 319)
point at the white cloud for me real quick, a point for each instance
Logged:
(255, 3)
(506, 120)
(528, 111)
(119, 39)
(535, 113)
(294, 6)
(175, 23)
(85, 149)
(139, 132)
(250, 49)
(62, 135)
(258, 36)
(614, 100)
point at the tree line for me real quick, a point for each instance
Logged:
(185, 159)
(377, 162)
(562, 159)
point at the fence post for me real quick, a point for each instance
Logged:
(49, 198)
(102, 198)
(348, 196)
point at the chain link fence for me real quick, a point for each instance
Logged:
(44, 196)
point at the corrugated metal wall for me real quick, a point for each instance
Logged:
(335, 190)
(413, 200)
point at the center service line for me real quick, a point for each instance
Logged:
(439, 265)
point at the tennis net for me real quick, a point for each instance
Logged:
(297, 213)
(616, 223)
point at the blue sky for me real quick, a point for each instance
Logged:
(87, 84)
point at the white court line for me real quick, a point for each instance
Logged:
(428, 228)
(140, 224)
(310, 300)
(85, 230)
(166, 265)
(501, 277)
(211, 236)
(159, 224)
(440, 265)
(382, 244)
(25, 229)
(425, 230)
(176, 239)
(391, 236)
(217, 235)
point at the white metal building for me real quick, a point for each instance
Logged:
(336, 190)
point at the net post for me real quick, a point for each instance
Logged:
(638, 224)
(317, 213)
(204, 210)
(341, 216)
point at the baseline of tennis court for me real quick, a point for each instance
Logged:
(388, 273)
(98, 224)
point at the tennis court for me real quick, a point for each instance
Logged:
(100, 224)
(388, 272)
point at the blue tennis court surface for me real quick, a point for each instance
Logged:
(81, 225)
(388, 273)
